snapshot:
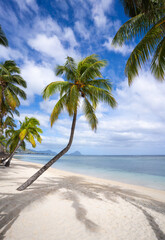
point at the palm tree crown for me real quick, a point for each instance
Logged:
(28, 131)
(10, 83)
(84, 80)
(148, 21)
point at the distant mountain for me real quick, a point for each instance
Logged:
(29, 151)
(76, 153)
(46, 152)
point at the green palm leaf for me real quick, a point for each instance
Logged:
(158, 61)
(83, 80)
(3, 39)
(103, 95)
(10, 99)
(148, 22)
(23, 134)
(31, 140)
(89, 112)
(142, 51)
(57, 109)
(53, 88)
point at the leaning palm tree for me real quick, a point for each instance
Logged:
(10, 91)
(3, 39)
(148, 22)
(83, 80)
(28, 131)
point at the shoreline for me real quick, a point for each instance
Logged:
(153, 192)
(74, 206)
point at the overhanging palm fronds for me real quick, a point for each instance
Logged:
(148, 22)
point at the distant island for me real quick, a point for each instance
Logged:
(76, 153)
(29, 151)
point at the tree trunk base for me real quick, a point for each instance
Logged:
(7, 164)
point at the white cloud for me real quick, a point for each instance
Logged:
(49, 45)
(99, 10)
(37, 78)
(124, 50)
(27, 5)
(48, 105)
(82, 30)
(43, 119)
(68, 35)
(136, 126)
(53, 47)
(9, 53)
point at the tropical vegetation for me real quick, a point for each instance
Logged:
(29, 131)
(148, 22)
(84, 81)
(10, 91)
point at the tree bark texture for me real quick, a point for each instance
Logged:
(53, 160)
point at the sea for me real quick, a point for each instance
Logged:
(148, 171)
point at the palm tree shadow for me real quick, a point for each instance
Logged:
(71, 188)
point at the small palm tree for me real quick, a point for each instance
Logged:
(28, 131)
(10, 91)
(84, 80)
(148, 21)
(3, 39)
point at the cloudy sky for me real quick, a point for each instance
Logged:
(42, 34)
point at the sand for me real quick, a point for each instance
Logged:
(62, 205)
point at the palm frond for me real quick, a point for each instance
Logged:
(23, 145)
(69, 69)
(101, 83)
(158, 61)
(142, 51)
(10, 99)
(19, 80)
(11, 66)
(57, 109)
(31, 140)
(136, 26)
(93, 98)
(89, 112)
(23, 134)
(73, 99)
(103, 95)
(53, 88)
(92, 70)
(3, 39)
(17, 91)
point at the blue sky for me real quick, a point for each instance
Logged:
(42, 34)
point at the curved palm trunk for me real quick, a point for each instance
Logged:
(53, 160)
(7, 164)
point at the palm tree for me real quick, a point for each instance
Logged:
(148, 21)
(3, 39)
(84, 80)
(28, 131)
(10, 91)
(7, 124)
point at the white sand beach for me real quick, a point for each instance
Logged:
(62, 205)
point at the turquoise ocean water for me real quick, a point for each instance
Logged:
(147, 171)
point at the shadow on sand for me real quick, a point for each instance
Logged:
(12, 204)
